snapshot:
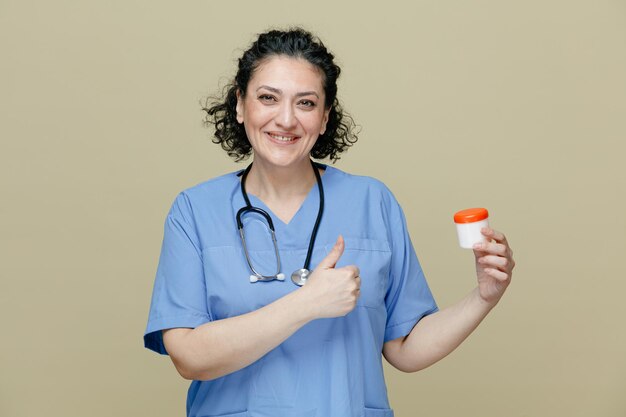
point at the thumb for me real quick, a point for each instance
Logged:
(333, 256)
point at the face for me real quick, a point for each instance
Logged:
(283, 111)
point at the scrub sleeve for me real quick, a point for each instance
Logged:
(179, 295)
(408, 297)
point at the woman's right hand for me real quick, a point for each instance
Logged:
(332, 292)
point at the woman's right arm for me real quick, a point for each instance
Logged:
(223, 346)
(220, 347)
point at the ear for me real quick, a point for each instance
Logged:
(239, 107)
(324, 121)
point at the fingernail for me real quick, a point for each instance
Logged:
(478, 246)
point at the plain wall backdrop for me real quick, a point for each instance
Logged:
(516, 106)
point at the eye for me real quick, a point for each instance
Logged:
(307, 103)
(267, 98)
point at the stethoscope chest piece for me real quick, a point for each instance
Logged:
(300, 276)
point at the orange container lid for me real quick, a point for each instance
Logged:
(471, 215)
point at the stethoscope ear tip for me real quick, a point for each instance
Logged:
(280, 277)
(254, 278)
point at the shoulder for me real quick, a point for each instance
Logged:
(214, 185)
(204, 195)
(360, 186)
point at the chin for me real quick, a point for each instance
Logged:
(283, 161)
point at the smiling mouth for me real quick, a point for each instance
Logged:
(282, 138)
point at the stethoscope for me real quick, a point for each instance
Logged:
(299, 276)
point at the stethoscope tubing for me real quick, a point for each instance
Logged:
(320, 212)
(250, 208)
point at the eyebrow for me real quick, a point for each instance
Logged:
(278, 91)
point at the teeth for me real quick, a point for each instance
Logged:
(283, 138)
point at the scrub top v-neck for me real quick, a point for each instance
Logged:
(329, 367)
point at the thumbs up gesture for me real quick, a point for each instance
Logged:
(333, 292)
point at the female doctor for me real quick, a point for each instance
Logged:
(297, 326)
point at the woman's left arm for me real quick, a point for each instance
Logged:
(438, 334)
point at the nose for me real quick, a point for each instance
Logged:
(286, 117)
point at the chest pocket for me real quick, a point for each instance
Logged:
(373, 258)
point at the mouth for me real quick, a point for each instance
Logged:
(283, 138)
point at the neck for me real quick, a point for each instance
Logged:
(280, 183)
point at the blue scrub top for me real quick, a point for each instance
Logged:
(329, 367)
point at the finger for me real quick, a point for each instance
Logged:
(358, 283)
(497, 274)
(333, 256)
(353, 270)
(349, 272)
(491, 248)
(494, 234)
(499, 262)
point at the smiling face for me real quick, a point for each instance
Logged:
(283, 111)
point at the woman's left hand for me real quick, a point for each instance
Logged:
(494, 265)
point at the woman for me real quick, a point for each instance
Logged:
(259, 346)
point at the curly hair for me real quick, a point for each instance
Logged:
(221, 112)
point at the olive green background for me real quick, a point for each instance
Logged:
(518, 106)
